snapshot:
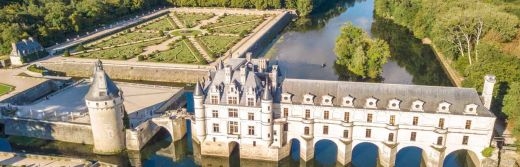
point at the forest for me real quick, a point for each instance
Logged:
(478, 37)
(53, 21)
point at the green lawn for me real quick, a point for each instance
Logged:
(162, 24)
(4, 88)
(192, 19)
(237, 29)
(218, 44)
(233, 19)
(123, 38)
(120, 53)
(179, 52)
(186, 32)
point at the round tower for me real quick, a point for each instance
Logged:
(105, 107)
(200, 120)
(267, 114)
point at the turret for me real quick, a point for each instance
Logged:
(267, 114)
(487, 91)
(200, 120)
(105, 106)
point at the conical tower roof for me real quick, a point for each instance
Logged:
(102, 87)
(198, 90)
(266, 96)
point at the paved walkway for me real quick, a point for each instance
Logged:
(201, 50)
(177, 21)
(13, 159)
(160, 47)
(214, 19)
(10, 77)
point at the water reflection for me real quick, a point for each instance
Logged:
(365, 155)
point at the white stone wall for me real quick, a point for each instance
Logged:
(106, 119)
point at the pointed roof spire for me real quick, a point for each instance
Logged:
(102, 87)
(198, 90)
(266, 96)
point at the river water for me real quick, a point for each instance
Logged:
(301, 51)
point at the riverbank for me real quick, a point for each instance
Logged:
(454, 76)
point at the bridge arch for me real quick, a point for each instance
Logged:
(325, 152)
(365, 154)
(295, 149)
(234, 150)
(412, 156)
(461, 158)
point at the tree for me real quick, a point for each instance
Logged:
(358, 53)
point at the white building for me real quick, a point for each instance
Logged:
(246, 103)
(22, 49)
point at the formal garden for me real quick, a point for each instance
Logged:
(178, 37)
(4, 89)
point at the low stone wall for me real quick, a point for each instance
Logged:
(130, 72)
(34, 93)
(61, 131)
(258, 41)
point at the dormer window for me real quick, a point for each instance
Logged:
(444, 107)
(326, 100)
(371, 103)
(394, 104)
(348, 101)
(417, 106)
(308, 99)
(286, 98)
(471, 109)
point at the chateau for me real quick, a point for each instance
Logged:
(247, 104)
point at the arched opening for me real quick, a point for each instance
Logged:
(410, 156)
(461, 158)
(294, 155)
(365, 155)
(234, 158)
(152, 153)
(325, 153)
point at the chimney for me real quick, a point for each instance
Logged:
(243, 74)
(274, 75)
(227, 71)
(262, 65)
(487, 91)
(249, 55)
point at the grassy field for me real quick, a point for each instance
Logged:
(162, 24)
(234, 19)
(186, 32)
(119, 53)
(179, 52)
(192, 19)
(4, 88)
(238, 28)
(124, 38)
(218, 44)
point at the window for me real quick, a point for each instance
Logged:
(439, 140)
(250, 101)
(306, 131)
(415, 121)
(233, 127)
(250, 116)
(368, 133)
(254, 143)
(346, 117)
(468, 124)
(307, 114)
(216, 128)
(285, 112)
(392, 119)
(465, 140)
(233, 112)
(232, 100)
(214, 99)
(345, 133)
(391, 137)
(369, 118)
(268, 120)
(325, 130)
(325, 114)
(215, 113)
(251, 130)
(441, 123)
(413, 135)
(285, 127)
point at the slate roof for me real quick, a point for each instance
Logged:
(407, 94)
(25, 47)
(102, 87)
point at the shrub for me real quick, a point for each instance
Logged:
(66, 53)
(140, 58)
(488, 151)
(161, 32)
(80, 47)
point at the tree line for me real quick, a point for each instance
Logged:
(53, 21)
(477, 36)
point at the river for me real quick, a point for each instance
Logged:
(301, 50)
